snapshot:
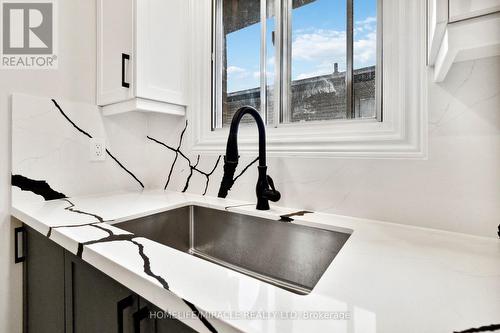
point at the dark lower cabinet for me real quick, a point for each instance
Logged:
(95, 302)
(64, 294)
(43, 285)
(159, 322)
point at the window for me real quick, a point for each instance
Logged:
(296, 61)
(248, 50)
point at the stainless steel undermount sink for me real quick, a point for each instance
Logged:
(287, 255)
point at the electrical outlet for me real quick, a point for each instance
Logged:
(97, 149)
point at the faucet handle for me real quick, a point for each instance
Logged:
(271, 182)
(272, 194)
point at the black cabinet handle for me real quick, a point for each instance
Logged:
(120, 307)
(139, 316)
(17, 231)
(125, 84)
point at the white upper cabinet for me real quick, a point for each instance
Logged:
(141, 56)
(461, 30)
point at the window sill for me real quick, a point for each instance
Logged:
(350, 138)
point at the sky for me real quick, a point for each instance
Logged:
(318, 41)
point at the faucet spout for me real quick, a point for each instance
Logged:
(232, 141)
(265, 186)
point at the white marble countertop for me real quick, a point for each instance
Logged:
(387, 277)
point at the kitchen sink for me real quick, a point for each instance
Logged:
(287, 255)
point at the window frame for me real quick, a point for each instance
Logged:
(402, 134)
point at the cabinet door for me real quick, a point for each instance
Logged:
(167, 325)
(162, 50)
(94, 301)
(43, 286)
(115, 41)
(158, 322)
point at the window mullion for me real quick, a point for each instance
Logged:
(286, 74)
(349, 61)
(217, 60)
(263, 61)
(379, 67)
(277, 98)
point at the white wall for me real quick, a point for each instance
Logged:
(75, 79)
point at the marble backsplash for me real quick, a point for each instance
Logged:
(51, 143)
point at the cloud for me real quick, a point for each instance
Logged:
(318, 45)
(315, 51)
(235, 70)
(365, 51)
(370, 20)
(239, 78)
(235, 73)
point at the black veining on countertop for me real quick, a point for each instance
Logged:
(128, 238)
(49, 233)
(192, 167)
(39, 187)
(488, 328)
(147, 265)
(90, 137)
(200, 316)
(72, 209)
(42, 188)
(288, 217)
(112, 238)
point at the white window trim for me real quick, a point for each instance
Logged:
(402, 134)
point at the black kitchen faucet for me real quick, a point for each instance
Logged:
(265, 186)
